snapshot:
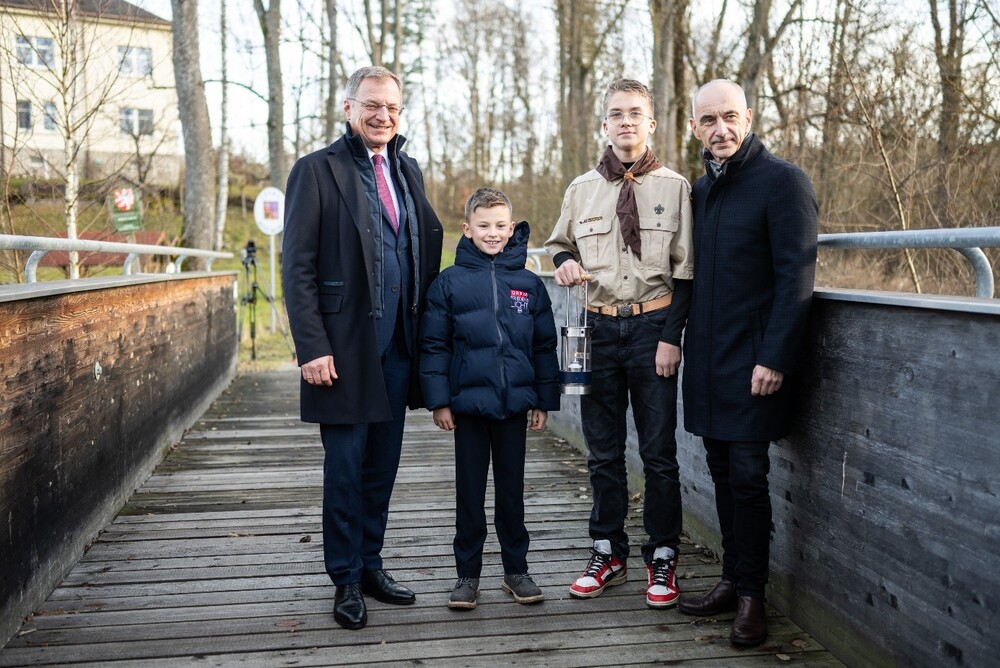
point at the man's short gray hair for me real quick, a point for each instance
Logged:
(370, 72)
(486, 198)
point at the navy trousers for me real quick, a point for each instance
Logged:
(476, 439)
(359, 470)
(624, 369)
(742, 500)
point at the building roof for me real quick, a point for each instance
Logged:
(111, 9)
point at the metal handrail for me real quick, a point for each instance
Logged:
(533, 256)
(969, 241)
(42, 245)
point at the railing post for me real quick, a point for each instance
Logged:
(984, 272)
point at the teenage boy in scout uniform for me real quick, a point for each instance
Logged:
(627, 223)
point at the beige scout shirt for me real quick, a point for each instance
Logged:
(588, 228)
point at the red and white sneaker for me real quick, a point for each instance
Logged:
(662, 591)
(603, 570)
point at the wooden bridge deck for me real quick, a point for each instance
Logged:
(217, 560)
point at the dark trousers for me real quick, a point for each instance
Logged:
(476, 440)
(624, 369)
(359, 470)
(739, 470)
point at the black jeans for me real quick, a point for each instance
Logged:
(476, 439)
(739, 470)
(623, 353)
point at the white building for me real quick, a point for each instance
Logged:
(118, 92)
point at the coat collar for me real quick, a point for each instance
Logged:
(356, 145)
(750, 149)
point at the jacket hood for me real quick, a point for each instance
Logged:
(513, 256)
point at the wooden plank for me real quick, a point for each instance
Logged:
(204, 577)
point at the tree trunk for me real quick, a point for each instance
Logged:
(333, 79)
(199, 167)
(222, 198)
(71, 141)
(949, 48)
(270, 25)
(752, 69)
(667, 17)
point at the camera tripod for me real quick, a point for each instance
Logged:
(248, 302)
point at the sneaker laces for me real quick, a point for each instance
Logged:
(464, 581)
(598, 560)
(661, 572)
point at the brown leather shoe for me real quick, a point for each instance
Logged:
(750, 625)
(721, 599)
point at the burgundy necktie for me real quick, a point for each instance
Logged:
(383, 192)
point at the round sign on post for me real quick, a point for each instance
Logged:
(269, 214)
(269, 210)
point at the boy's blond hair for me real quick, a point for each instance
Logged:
(627, 86)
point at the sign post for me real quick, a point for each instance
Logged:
(269, 214)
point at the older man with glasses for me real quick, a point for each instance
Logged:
(627, 223)
(361, 245)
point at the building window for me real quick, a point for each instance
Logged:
(24, 114)
(49, 116)
(136, 122)
(35, 51)
(135, 60)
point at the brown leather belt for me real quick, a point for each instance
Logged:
(629, 310)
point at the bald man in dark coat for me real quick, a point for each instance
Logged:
(755, 224)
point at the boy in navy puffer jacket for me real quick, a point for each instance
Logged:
(488, 342)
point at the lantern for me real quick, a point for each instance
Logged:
(575, 362)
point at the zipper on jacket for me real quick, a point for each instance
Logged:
(496, 320)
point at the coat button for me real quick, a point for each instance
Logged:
(395, 288)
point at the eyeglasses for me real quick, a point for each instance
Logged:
(371, 107)
(634, 117)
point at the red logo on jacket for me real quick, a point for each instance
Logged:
(519, 301)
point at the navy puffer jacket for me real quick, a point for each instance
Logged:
(488, 338)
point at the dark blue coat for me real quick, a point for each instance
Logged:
(332, 272)
(488, 338)
(755, 259)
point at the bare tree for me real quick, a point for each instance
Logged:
(222, 189)
(199, 163)
(333, 77)
(669, 19)
(761, 41)
(270, 24)
(584, 28)
(57, 83)
(949, 51)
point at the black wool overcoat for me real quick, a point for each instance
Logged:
(755, 230)
(329, 277)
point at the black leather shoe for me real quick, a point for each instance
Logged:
(750, 625)
(721, 599)
(349, 607)
(380, 586)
